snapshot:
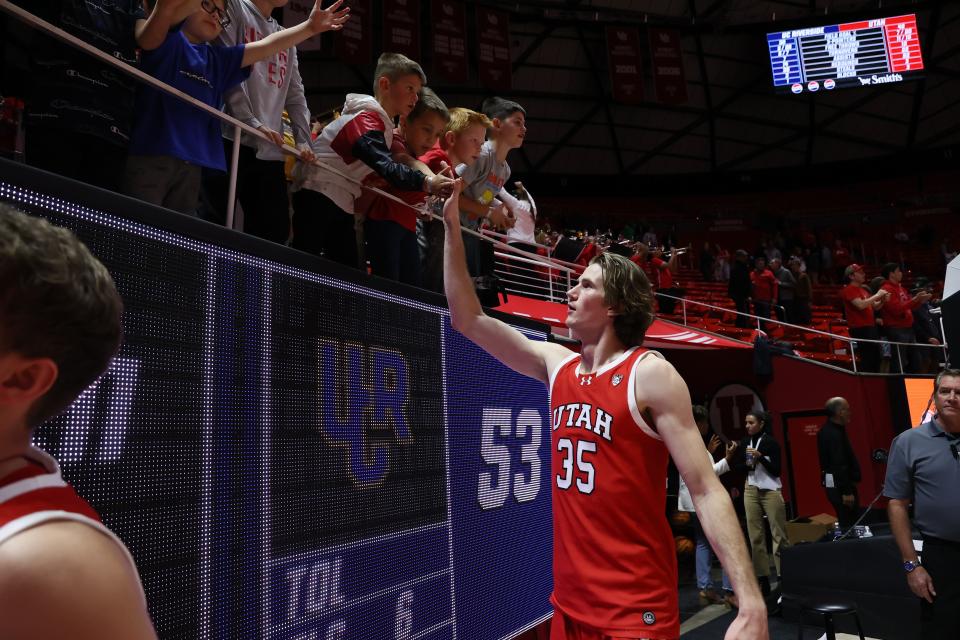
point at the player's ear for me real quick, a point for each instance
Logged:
(24, 380)
(496, 123)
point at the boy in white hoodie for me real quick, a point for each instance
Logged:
(323, 202)
(274, 85)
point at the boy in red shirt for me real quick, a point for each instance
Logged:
(390, 229)
(460, 144)
(858, 306)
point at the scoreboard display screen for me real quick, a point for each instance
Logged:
(290, 452)
(853, 54)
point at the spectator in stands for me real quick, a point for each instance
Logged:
(172, 140)
(739, 288)
(274, 86)
(707, 262)
(770, 251)
(357, 144)
(927, 328)
(722, 270)
(859, 307)
(709, 593)
(826, 263)
(483, 195)
(461, 143)
(520, 235)
(390, 228)
(764, 288)
(79, 111)
(897, 316)
(650, 237)
(839, 469)
(803, 293)
(761, 459)
(812, 259)
(786, 290)
(665, 286)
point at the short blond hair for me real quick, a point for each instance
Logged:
(461, 119)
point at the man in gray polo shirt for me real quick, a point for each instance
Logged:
(924, 468)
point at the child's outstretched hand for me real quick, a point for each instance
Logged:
(328, 19)
(451, 208)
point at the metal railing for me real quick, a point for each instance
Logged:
(537, 276)
(762, 325)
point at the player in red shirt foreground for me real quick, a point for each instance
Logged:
(618, 412)
(62, 573)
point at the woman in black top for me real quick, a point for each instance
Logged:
(762, 495)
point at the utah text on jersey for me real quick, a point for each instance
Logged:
(584, 416)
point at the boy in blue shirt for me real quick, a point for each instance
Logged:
(171, 139)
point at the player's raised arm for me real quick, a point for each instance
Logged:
(661, 390)
(503, 342)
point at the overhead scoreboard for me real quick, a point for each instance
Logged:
(853, 54)
(292, 453)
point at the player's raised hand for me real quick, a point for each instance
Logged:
(329, 19)
(451, 208)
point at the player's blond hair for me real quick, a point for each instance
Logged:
(461, 119)
(626, 289)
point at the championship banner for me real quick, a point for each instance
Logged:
(449, 21)
(623, 53)
(666, 56)
(295, 12)
(493, 41)
(401, 27)
(353, 44)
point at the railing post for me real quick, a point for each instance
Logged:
(550, 280)
(683, 302)
(853, 355)
(232, 190)
(899, 359)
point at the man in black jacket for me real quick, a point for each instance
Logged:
(739, 287)
(839, 469)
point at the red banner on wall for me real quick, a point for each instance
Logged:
(353, 43)
(666, 56)
(493, 40)
(623, 54)
(449, 20)
(401, 27)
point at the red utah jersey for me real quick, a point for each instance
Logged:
(614, 558)
(36, 494)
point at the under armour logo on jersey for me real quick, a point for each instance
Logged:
(617, 379)
(586, 380)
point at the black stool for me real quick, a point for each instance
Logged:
(828, 609)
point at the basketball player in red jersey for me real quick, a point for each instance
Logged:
(62, 573)
(618, 413)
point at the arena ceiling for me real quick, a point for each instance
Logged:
(732, 120)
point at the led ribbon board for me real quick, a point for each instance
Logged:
(853, 54)
(289, 455)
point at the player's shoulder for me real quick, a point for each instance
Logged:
(653, 373)
(63, 558)
(554, 355)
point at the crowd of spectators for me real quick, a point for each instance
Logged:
(88, 121)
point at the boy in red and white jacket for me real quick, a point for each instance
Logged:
(324, 201)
